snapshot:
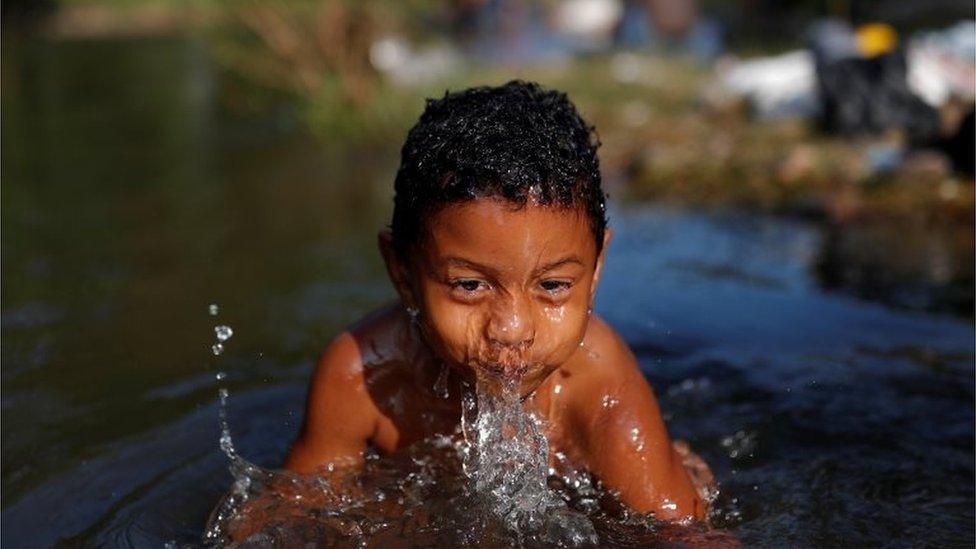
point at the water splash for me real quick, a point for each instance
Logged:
(226, 442)
(440, 385)
(249, 480)
(489, 484)
(505, 454)
(223, 332)
(504, 450)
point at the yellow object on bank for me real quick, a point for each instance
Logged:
(874, 39)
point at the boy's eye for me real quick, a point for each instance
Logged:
(469, 285)
(555, 287)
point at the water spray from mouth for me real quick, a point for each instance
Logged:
(505, 373)
(506, 364)
(505, 454)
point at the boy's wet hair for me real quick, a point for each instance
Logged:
(517, 141)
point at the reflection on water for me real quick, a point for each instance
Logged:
(128, 206)
(914, 267)
(132, 200)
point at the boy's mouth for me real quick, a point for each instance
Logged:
(506, 370)
(503, 363)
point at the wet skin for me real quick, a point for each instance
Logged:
(501, 292)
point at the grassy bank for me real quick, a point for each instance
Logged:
(663, 141)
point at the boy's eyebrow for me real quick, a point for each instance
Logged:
(558, 263)
(461, 262)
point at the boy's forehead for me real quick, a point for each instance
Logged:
(494, 231)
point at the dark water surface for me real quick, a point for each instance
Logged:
(131, 200)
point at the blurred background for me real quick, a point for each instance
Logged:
(791, 183)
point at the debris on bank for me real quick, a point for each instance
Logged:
(858, 119)
(846, 64)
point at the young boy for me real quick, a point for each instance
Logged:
(495, 249)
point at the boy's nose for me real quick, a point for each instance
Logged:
(511, 324)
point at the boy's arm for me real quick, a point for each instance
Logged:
(339, 420)
(340, 416)
(625, 442)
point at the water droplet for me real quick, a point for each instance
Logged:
(214, 309)
(223, 332)
(440, 386)
(740, 444)
(637, 439)
(217, 348)
(221, 375)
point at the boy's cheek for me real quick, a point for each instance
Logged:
(456, 330)
(559, 335)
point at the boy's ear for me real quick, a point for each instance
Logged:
(396, 269)
(607, 236)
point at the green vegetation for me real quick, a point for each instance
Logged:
(662, 140)
(660, 133)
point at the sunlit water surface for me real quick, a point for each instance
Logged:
(833, 410)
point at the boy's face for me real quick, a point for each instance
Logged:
(503, 290)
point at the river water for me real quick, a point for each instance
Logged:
(831, 392)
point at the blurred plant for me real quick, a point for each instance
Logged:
(299, 47)
(662, 136)
(318, 52)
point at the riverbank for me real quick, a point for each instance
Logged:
(664, 135)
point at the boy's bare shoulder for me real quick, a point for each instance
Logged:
(370, 340)
(603, 378)
(338, 373)
(604, 360)
(343, 367)
(382, 332)
(340, 413)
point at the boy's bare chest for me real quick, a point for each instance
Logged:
(409, 416)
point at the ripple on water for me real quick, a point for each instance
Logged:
(489, 484)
